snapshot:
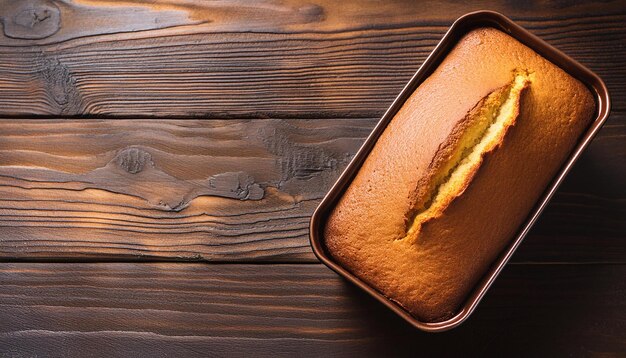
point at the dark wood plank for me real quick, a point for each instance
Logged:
(236, 190)
(201, 190)
(321, 59)
(277, 310)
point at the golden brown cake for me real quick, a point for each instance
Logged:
(456, 172)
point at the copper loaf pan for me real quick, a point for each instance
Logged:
(460, 27)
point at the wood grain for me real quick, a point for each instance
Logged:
(202, 190)
(229, 59)
(278, 310)
(236, 190)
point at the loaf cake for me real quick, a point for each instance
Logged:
(456, 172)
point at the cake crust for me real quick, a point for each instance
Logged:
(471, 150)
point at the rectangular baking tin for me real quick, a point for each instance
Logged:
(460, 27)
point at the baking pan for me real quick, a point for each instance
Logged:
(460, 27)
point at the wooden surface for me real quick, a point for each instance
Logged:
(192, 309)
(136, 131)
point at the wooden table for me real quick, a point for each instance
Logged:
(160, 160)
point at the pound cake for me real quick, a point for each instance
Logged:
(456, 172)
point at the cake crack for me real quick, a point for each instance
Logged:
(490, 123)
